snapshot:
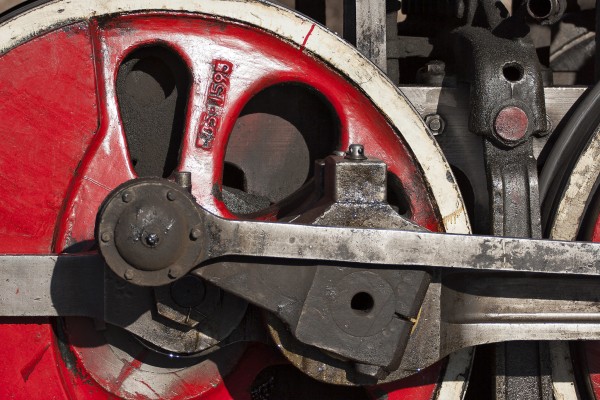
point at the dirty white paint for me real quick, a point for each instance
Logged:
(570, 210)
(294, 28)
(569, 217)
(457, 374)
(563, 380)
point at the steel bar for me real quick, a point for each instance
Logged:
(394, 247)
(52, 285)
(365, 27)
(75, 282)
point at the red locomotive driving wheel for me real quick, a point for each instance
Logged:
(243, 95)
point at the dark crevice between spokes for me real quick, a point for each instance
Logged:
(153, 85)
(272, 149)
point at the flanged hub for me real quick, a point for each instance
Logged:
(145, 228)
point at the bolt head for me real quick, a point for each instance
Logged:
(152, 240)
(174, 272)
(511, 124)
(126, 197)
(184, 179)
(171, 195)
(356, 152)
(105, 237)
(435, 123)
(129, 274)
(195, 234)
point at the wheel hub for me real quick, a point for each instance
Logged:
(151, 223)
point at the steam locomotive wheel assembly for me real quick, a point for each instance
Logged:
(98, 93)
(223, 199)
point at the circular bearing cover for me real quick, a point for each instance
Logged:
(145, 231)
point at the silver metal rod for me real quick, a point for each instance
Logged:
(66, 285)
(393, 247)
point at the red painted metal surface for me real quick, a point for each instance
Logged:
(29, 361)
(588, 356)
(511, 124)
(590, 351)
(420, 386)
(49, 115)
(63, 150)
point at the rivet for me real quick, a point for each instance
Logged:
(195, 234)
(126, 197)
(129, 274)
(174, 273)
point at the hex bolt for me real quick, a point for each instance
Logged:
(105, 237)
(372, 371)
(171, 195)
(129, 274)
(435, 123)
(356, 152)
(126, 197)
(195, 234)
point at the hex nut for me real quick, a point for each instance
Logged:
(105, 237)
(435, 123)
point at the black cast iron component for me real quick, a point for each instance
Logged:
(498, 59)
(514, 205)
(435, 8)
(508, 108)
(546, 12)
(506, 85)
(514, 194)
(351, 307)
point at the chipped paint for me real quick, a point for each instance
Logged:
(570, 210)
